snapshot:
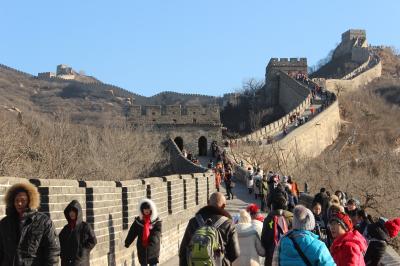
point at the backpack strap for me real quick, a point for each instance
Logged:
(220, 221)
(297, 247)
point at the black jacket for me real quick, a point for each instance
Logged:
(151, 253)
(35, 244)
(227, 231)
(76, 243)
(267, 234)
(377, 237)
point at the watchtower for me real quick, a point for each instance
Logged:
(291, 66)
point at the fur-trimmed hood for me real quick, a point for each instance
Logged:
(30, 189)
(154, 213)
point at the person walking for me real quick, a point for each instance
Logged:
(250, 180)
(300, 246)
(229, 184)
(264, 193)
(215, 215)
(249, 242)
(276, 224)
(147, 228)
(349, 246)
(27, 237)
(257, 218)
(77, 238)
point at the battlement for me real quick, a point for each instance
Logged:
(353, 34)
(288, 65)
(284, 61)
(174, 114)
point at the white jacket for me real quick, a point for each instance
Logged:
(250, 246)
(250, 182)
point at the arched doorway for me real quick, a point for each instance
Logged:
(202, 146)
(179, 142)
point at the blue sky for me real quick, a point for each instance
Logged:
(207, 47)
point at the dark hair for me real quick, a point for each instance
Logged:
(364, 215)
(144, 205)
(352, 201)
(315, 204)
(279, 203)
(322, 189)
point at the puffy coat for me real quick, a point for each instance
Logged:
(315, 251)
(250, 246)
(227, 231)
(151, 253)
(32, 240)
(348, 249)
(76, 243)
(258, 225)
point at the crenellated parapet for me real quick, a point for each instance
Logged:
(111, 206)
(174, 114)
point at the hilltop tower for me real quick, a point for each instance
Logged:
(354, 43)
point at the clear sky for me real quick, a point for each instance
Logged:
(207, 46)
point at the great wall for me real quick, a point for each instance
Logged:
(110, 206)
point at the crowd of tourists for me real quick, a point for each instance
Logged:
(336, 231)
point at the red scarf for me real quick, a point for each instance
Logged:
(146, 230)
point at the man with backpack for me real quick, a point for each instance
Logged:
(210, 237)
(276, 224)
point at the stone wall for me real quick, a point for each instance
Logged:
(180, 164)
(275, 65)
(294, 97)
(310, 139)
(362, 79)
(174, 114)
(110, 208)
(291, 92)
(191, 134)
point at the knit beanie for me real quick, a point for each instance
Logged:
(393, 227)
(342, 219)
(303, 218)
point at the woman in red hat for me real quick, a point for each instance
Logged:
(349, 245)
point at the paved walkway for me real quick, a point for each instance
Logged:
(241, 199)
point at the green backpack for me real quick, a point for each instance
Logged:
(204, 248)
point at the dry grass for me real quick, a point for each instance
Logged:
(59, 149)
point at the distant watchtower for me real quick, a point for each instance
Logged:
(354, 45)
(290, 66)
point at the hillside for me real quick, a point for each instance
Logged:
(89, 102)
(335, 68)
(364, 160)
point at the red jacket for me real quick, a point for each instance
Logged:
(349, 249)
